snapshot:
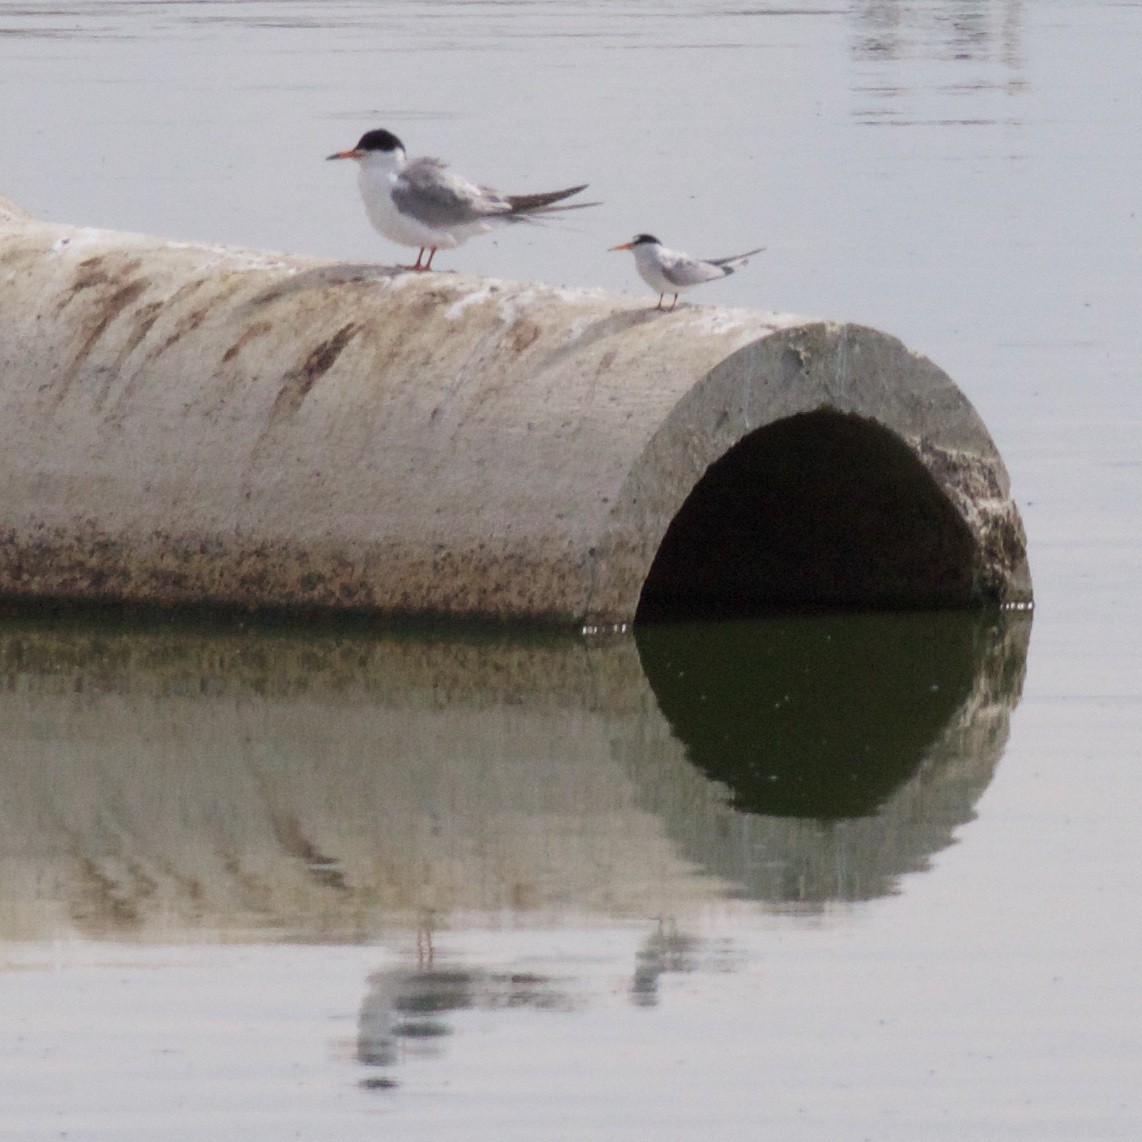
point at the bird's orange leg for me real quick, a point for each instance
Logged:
(431, 255)
(661, 296)
(674, 303)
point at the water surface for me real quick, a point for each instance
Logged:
(253, 874)
(810, 879)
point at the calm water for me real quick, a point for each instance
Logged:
(864, 878)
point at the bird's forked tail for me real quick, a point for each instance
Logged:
(737, 261)
(544, 203)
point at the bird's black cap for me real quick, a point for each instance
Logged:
(644, 239)
(379, 140)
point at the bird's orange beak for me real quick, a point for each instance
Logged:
(353, 154)
(622, 246)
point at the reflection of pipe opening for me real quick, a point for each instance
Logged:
(818, 510)
(821, 717)
(842, 751)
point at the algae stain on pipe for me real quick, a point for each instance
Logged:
(196, 424)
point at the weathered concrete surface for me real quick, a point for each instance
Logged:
(188, 423)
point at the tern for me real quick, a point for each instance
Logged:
(421, 203)
(668, 271)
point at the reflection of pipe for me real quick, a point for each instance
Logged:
(169, 780)
(849, 749)
(197, 423)
(813, 717)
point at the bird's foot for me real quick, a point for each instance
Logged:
(417, 266)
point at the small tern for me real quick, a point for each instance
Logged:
(421, 203)
(668, 271)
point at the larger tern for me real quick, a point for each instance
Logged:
(668, 271)
(421, 203)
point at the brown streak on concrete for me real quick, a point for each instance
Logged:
(297, 385)
(104, 312)
(250, 333)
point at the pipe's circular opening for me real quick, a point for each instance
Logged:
(822, 510)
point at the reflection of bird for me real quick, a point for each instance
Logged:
(664, 950)
(404, 1009)
(421, 203)
(668, 271)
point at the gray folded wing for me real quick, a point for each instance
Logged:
(427, 191)
(683, 271)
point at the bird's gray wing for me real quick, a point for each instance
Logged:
(427, 191)
(683, 271)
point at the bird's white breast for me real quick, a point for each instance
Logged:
(646, 262)
(375, 183)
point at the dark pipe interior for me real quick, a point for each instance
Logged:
(819, 511)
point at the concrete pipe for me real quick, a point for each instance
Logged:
(200, 424)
